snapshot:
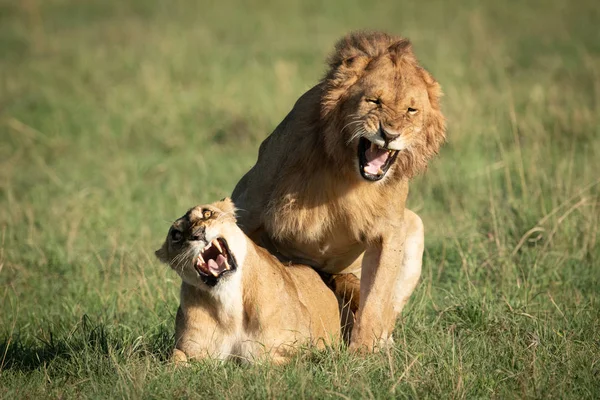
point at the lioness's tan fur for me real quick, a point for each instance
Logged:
(304, 199)
(262, 310)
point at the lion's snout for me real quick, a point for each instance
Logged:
(388, 134)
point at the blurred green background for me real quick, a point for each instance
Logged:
(117, 116)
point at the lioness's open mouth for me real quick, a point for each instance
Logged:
(374, 161)
(214, 260)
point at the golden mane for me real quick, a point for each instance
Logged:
(353, 55)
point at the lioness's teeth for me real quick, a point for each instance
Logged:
(217, 245)
(379, 171)
(201, 259)
(227, 265)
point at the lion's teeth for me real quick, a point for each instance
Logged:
(217, 245)
(379, 171)
(201, 259)
(227, 265)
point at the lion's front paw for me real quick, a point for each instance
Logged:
(179, 358)
(361, 348)
(361, 343)
(364, 344)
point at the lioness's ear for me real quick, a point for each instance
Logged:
(226, 205)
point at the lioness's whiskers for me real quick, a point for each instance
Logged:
(178, 261)
(183, 260)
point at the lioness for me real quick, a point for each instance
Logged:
(330, 184)
(237, 300)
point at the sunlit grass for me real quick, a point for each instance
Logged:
(115, 117)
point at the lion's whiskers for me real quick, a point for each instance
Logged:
(355, 116)
(350, 123)
(358, 132)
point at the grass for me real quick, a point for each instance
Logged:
(115, 117)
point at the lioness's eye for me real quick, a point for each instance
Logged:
(207, 214)
(372, 100)
(176, 235)
(412, 111)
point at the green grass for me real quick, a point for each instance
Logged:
(115, 117)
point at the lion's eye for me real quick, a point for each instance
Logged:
(207, 214)
(412, 111)
(373, 100)
(176, 235)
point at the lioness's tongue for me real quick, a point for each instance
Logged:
(376, 158)
(218, 266)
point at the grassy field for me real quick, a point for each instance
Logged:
(115, 117)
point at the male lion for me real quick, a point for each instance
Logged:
(330, 184)
(227, 309)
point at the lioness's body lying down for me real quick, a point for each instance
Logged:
(237, 300)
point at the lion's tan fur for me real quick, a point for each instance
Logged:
(261, 311)
(304, 199)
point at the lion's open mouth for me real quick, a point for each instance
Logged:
(374, 161)
(214, 260)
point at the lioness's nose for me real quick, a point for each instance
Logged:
(198, 233)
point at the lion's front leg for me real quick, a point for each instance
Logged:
(390, 271)
(375, 318)
(410, 271)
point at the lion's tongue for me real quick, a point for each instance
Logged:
(218, 266)
(376, 158)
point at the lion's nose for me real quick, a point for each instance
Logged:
(388, 134)
(198, 233)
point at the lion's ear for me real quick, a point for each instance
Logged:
(402, 49)
(347, 59)
(402, 46)
(345, 64)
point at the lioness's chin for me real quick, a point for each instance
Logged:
(214, 262)
(374, 161)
